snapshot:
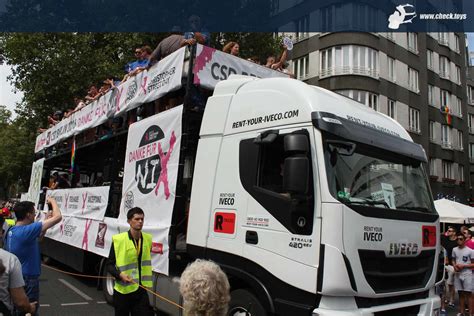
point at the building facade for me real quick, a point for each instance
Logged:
(418, 79)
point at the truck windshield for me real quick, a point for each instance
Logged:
(359, 174)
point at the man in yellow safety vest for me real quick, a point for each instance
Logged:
(130, 264)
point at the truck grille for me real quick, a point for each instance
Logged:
(390, 274)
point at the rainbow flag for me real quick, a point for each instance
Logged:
(73, 154)
(447, 112)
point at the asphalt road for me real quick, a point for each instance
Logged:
(62, 294)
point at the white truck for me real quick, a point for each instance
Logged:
(312, 203)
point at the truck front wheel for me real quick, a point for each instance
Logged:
(108, 286)
(243, 302)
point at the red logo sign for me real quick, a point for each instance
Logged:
(157, 247)
(428, 236)
(224, 223)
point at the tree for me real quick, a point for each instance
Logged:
(16, 152)
(52, 68)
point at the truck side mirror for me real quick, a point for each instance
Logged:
(296, 174)
(296, 143)
(296, 166)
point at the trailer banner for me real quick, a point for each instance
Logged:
(150, 175)
(151, 84)
(146, 86)
(212, 66)
(96, 236)
(34, 190)
(89, 203)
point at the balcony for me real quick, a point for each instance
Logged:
(347, 70)
(447, 145)
(444, 75)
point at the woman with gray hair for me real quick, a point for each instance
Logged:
(205, 289)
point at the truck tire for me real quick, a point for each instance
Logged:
(108, 287)
(243, 302)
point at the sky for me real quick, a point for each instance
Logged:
(9, 98)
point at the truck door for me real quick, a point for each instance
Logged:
(264, 203)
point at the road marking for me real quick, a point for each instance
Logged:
(45, 305)
(75, 289)
(101, 302)
(72, 304)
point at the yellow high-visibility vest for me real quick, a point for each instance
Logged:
(10, 221)
(126, 257)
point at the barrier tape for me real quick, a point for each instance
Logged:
(110, 277)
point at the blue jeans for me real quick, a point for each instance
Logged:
(32, 291)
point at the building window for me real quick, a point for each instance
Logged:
(457, 46)
(460, 140)
(414, 120)
(461, 173)
(446, 137)
(471, 152)
(392, 108)
(470, 122)
(447, 169)
(432, 132)
(369, 99)
(457, 107)
(443, 38)
(458, 74)
(390, 36)
(302, 28)
(391, 69)
(444, 67)
(432, 167)
(445, 95)
(431, 95)
(349, 60)
(413, 80)
(470, 94)
(373, 101)
(301, 67)
(412, 42)
(430, 59)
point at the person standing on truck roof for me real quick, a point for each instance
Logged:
(130, 264)
(22, 241)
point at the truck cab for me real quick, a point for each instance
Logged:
(312, 203)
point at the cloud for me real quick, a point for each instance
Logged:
(7, 96)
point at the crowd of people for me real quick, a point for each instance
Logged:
(458, 251)
(146, 58)
(203, 285)
(20, 258)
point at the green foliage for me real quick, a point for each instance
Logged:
(16, 152)
(53, 68)
(260, 45)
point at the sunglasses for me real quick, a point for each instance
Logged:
(461, 239)
(138, 52)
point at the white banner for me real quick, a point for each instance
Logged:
(34, 189)
(150, 85)
(150, 174)
(89, 203)
(212, 66)
(147, 86)
(96, 236)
